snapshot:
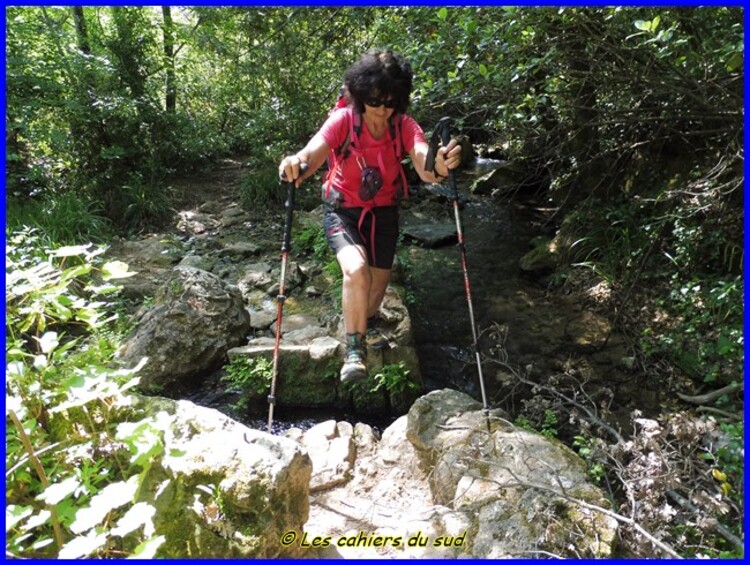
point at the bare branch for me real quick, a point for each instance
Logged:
(714, 395)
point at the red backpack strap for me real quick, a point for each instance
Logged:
(337, 156)
(394, 127)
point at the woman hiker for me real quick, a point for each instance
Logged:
(367, 136)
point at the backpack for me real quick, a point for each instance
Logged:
(337, 156)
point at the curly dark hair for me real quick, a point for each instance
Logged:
(379, 73)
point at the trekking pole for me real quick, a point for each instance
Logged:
(286, 247)
(443, 130)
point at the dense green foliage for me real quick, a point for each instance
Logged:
(629, 120)
(72, 474)
(573, 93)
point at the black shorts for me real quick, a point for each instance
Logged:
(342, 228)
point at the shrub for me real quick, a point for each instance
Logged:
(71, 489)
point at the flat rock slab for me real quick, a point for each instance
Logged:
(432, 235)
(308, 373)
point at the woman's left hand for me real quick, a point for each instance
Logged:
(448, 157)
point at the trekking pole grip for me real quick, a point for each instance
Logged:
(444, 128)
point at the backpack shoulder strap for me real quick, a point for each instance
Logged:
(394, 128)
(355, 130)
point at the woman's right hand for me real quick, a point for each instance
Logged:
(292, 168)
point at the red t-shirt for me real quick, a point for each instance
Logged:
(370, 152)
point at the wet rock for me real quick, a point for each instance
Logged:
(542, 259)
(151, 259)
(210, 207)
(232, 216)
(303, 380)
(194, 320)
(312, 219)
(296, 323)
(323, 347)
(195, 222)
(196, 262)
(294, 279)
(432, 235)
(262, 320)
(305, 335)
(152, 251)
(499, 182)
(255, 276)
(240, 250)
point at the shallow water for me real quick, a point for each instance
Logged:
(496, 236)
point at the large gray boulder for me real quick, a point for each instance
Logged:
(520, 488)
(194, 320)
(444, 487)
(219, 489)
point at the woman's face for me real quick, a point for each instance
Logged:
(379, 106)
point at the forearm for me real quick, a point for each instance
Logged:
(312, 156)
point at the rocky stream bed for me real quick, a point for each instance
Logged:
(426, 464)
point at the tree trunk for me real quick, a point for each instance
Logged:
(82, 33)
(171, 96)
(127, 51)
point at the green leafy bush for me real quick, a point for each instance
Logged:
(249, 374)
(394, 379)
(71, 489)
(312, 240)
(64, 218)
(260, 187)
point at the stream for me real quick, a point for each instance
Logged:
(514, 311)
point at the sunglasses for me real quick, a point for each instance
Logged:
(377, 102)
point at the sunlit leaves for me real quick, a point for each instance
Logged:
(648, 25)
(47, 291)
(735, 62)
(115, 270)
(138, 515)
(147, 549)
(82, 546)
(144, 438)
(110, 497)
(56, 492)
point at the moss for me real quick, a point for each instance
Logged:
(305, 382)
(542, 258)
(188, 535)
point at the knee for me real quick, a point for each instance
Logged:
(357, 275)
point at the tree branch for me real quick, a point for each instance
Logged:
(709, 397)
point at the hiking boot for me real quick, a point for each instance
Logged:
(374, 338)
(354, 368)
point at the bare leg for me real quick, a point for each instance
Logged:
(355, 288)
(380, 279)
